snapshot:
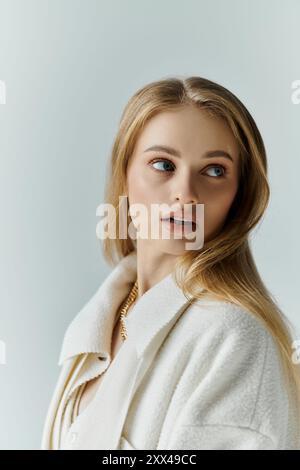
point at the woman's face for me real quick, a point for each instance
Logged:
(197, 176)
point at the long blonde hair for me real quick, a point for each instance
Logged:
(224, 266)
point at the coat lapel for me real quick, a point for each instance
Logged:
(91, 329)
(148, 323)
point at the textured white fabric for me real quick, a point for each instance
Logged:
(200, 375)
(90, 367)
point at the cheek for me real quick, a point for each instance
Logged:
(143, 188)
(216, 208)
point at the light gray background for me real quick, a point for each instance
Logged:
(70, 66)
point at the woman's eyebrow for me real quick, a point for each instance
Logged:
(176, 153)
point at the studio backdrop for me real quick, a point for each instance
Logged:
(67, 69)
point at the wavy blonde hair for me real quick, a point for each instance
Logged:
(224, 266)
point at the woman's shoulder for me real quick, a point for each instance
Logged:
(228, 318)
(234, 333)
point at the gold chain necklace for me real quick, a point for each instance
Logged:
(128, 302)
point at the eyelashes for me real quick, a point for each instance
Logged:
(165, 160)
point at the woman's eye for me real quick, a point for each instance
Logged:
(218, 167)
(164, 165)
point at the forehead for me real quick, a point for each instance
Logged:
(188, 129)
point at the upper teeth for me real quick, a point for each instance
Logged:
(181, 220)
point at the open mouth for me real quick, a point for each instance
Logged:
(173, 221)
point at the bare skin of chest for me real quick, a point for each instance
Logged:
(92, 385)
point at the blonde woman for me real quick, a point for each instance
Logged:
(181, 348)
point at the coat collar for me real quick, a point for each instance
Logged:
(91, 330)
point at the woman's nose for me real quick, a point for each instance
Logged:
(185, 192)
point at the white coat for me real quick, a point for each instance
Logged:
(200, 375)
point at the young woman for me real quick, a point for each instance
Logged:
(181, 348)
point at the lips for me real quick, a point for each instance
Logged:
(178, 217)
(181, 222)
